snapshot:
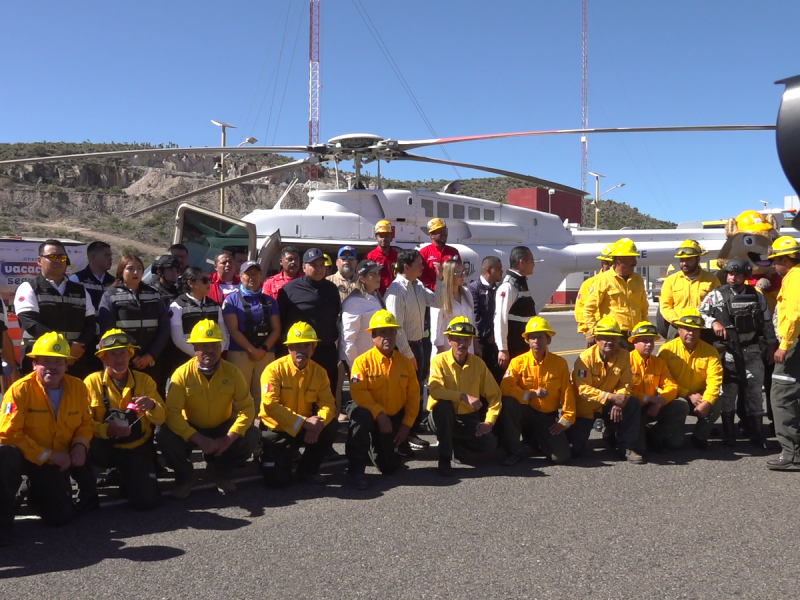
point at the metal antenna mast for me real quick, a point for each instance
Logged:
(313, 82)
(584, 98)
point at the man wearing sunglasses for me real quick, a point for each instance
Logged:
(53, 303)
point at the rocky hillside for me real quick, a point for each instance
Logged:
(88, 200)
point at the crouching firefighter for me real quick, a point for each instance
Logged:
(125, 406)
(297, 409)
(741, 320)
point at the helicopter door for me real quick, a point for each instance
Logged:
(206, 233)
(269, 254)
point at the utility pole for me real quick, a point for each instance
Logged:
(313, 82)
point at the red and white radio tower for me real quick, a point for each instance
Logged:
(313, 82)
(584, 101)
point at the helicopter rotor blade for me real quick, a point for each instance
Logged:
(529, 178)
(164, 151)
(223, 184)
(413, 144)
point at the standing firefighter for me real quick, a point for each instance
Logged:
(785, 396)
(605, 264)
(739, 315)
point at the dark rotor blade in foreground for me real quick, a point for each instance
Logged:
(223, 184)
(535, 180)
(787, 135)
(412, 144)
(167, 151)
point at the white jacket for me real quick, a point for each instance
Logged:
(439, 321)
(356, 313)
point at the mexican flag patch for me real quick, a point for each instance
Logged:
(356, 378)
(583, 373)
(10, 408)
(267, 388)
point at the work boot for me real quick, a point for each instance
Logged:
(728, 428)
(757, 437)
(781, 463)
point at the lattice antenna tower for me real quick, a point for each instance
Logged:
(313, 82)
(584, 97)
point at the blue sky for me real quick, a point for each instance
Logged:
(158, 71)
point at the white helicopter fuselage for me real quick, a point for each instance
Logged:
(477, 227)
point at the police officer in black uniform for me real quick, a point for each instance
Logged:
(137, 309)
(741, 320)
(167, 268)
(514, 306)
(53, 303)
(483, 292)
(95, 278)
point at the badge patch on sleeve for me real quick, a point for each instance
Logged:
(10, 408)
(502, 294)
(583, 373)
(507, 374)
(267, 388)
(356, 378)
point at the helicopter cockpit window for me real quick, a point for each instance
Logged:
(427, 206)
(488, 214)
(205, 236)
(474, 213)
(443, 210)
(458, 211)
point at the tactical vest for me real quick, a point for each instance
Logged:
(168, 294)
(520, 313)
(91, 285)
(744, 312)
(255, 332)
(65, 314)
(137, 314)
(192, 312)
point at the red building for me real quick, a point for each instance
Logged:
(565, 205)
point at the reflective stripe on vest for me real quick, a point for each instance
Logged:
(137, 323)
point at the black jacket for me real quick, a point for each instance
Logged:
(315, 302)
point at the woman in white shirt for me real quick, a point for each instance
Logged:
(357, 310)
(192, 306)
(457, 303)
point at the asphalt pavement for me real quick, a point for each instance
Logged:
(687, 524)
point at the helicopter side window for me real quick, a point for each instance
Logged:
(443, 210)
(458, 211)
(427, 206)
(488, 214)
(474, 213)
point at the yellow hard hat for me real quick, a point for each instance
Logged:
(624, 247)
(206, 331)
(607, 326)
(752, 221)
(605, 255)
(114, 339)
(688, 249)
(435, 224)
(51, 343)
(382, 319)
(461, 327)
(328, 261)
(643, 329)
(690, 318)
(784, 246)
(301, 333)
(383, 226)
(537, 324)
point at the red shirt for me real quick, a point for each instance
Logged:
(386, 261)
(215, 291)
(430, 255)
(272, 285)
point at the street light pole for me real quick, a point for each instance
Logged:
(224, 126)
(597, 177)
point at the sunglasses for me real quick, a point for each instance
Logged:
(62, 258)
(120, 339)
(459, 274)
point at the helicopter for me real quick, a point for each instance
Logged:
(477, 227)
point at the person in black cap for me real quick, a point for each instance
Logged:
(314, 300)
